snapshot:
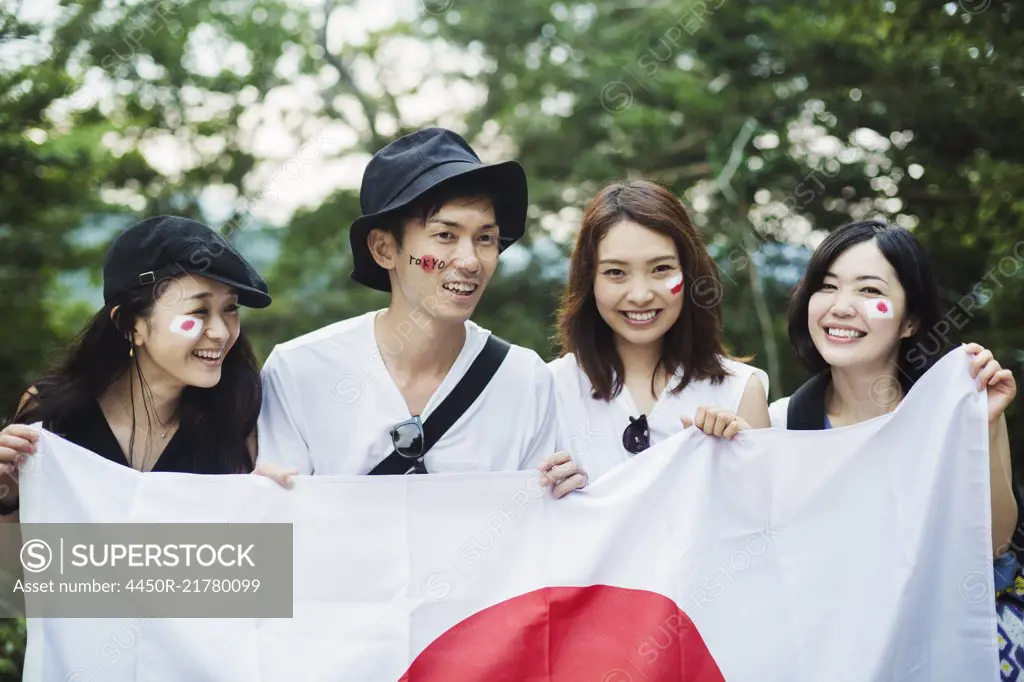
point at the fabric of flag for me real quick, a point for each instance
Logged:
(859, 553)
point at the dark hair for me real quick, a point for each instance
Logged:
(695, 341)
(426, 206)
(914, 271)
(223, 416)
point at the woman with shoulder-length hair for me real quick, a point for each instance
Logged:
(162, 378)
(643, 355)
(864, 319)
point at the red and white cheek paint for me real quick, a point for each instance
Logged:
(187, 326)
(675, 285)
(878, 308)
(428, 263)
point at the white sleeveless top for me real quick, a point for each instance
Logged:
(778, 411)
(590, 429)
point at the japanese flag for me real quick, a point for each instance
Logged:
(187, 326)
(853, 554)
(878, 307)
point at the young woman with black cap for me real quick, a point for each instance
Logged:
(641, 336)
(162, 378)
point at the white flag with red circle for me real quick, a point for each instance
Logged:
(860, 553)
(878, 308)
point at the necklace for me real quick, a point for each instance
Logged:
(152, 442)
(151, 446)
(165, 426)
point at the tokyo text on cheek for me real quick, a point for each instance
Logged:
(428, 263)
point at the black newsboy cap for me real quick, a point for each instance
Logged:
(163, 247)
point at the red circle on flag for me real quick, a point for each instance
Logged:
(882, 307)
(563, 634)
(187, 325)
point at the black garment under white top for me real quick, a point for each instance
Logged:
(88, 427)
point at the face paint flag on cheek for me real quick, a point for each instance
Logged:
(878, 308)
(675, 285)
(187, 326)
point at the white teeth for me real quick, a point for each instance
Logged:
(641, 317)
(845, 333)
(207, 354)
(460, 287)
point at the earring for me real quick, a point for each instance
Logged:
(131, 352)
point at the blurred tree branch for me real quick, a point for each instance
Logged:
(369, 107)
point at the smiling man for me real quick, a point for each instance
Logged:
(417, 387)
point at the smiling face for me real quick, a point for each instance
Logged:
(192, 326)
(857, 317)
(445, 262)
(638, 283)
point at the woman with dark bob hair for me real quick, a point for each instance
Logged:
(865, 320)
(162, 378)
(643, 354)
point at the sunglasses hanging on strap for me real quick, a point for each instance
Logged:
(413, 438)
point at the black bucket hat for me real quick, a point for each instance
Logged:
(414, 164)
(162, 247)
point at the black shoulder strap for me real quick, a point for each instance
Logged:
(806, 410)
(454, 405)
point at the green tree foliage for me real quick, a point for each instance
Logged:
(906, 109)
(47, 185)
(82, 94)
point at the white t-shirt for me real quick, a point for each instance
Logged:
(591, 428)
(329, 404)
(778, 411)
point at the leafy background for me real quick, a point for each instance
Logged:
(774, 121)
